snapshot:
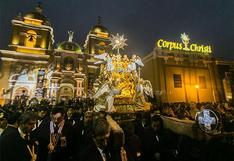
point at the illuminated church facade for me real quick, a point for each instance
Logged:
(187, 72)
(35, 68)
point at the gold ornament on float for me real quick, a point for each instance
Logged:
(121, 87)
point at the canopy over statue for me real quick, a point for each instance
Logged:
(120, 86)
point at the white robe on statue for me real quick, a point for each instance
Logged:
(110, 99)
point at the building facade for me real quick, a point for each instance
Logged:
(36, 67)
(183, 72)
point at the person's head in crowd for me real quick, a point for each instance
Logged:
(228, 124)
(156, 122)
(88, 118)
(101, 133)
(42, 112)
(13, 117)
(3, 121)
(58, 115)
(99, 114)
(128, 128)
(220, 109)
(146, 119)
(181, 114)
(168, 111)
(27, 122)
(138, 116)
(70, 112)
(102, 114)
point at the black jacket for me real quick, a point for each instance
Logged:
(13, 147)
(9, 130)
(91, 153)
(42, 135)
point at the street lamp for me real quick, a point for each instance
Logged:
(197, 88)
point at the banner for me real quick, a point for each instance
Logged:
(40, 84)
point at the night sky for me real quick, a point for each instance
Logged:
(143, 22)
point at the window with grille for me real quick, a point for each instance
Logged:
(177, 80)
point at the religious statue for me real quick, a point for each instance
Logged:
(107, 90)
(148, 89)
(134, 65)
(105, 58)
(139, 96)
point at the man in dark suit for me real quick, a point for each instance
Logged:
(157, 143)
(12, 120)
(219, 148)
(55, 138)
(43, 115)
(16, 145)
(97, 148)
(3, 121)
(83, 131)
(41, 129)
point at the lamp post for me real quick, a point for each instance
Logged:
(197, 88)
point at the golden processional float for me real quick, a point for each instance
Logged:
(119, 87)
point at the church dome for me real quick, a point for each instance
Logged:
(99, 28)
(37, 15)
(69, 45)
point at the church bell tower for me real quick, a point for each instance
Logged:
(31, 33)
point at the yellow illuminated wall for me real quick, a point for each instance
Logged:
(32, 21)
(172, 92)
(4, 84)
(159, 70)
(227, 89)
(188, 92)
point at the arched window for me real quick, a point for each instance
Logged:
(69, 63)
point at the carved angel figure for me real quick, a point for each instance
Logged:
(104, 89)
(135, 60)
(111, 91)
(148, 90)
(105, 58)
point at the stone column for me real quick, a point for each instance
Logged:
(79, 87)
(54, 87)
(12, 85)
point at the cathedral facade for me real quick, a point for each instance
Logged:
(35, 67)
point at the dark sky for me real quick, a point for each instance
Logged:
(208, 22)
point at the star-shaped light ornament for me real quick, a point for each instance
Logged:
(118, 42)
(184, 37)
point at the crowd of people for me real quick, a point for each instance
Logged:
(72, 131)
(185, 111)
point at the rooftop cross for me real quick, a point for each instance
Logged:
(99, 20)
(39, 7)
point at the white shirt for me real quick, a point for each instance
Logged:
(1, 130)
(22, 134)
(102, 154)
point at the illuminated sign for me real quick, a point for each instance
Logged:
(184, 45)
